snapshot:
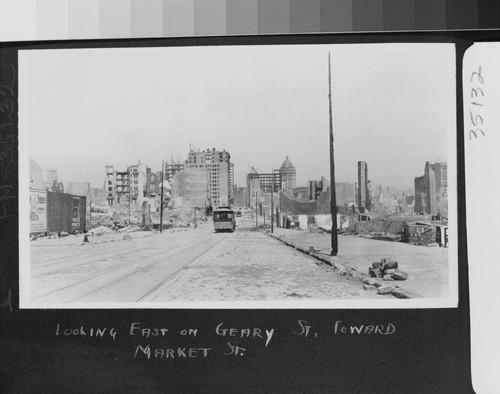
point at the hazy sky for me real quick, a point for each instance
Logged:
(393, 106)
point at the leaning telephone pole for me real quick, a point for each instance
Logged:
(333, 197)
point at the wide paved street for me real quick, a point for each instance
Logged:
(182, 265)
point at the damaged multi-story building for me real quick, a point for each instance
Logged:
(138, 183)
(431, 190)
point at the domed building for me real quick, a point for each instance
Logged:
(288, 175)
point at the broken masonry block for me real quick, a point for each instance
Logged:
(390, 265)
(369, 287)
(387, 289)
(390, 271)
(377, 264)
(399, 275)
(375, 272)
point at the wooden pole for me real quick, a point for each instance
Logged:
(161, 197)
(129, 190)
(272, 204)
(256, 213)
(279, 221)
(333, 199)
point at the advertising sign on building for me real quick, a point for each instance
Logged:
(38, 211)
(76, 213)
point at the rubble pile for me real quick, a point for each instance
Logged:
(387, 269)
(120, 220)
(99, 221)
(422, 236)
(101, 225)
(377, 235)
(384, 236)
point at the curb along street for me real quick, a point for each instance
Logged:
(383, 287)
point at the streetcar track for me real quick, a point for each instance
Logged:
(94, 259)
(92, 262)
(120, 279)
(111, 250)
(177, 273)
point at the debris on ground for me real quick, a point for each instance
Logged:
(387, 289)
(387, 269)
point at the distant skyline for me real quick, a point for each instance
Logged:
(393, 107)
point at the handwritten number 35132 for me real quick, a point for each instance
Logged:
(476, 120)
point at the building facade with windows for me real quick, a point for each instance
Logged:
(220, 174)
(267, 181)
(152, 188)
(122, 186)
(241, 196)
(431, 190)
(288, 175)
(171, 169)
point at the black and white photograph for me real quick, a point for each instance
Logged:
(271, 176)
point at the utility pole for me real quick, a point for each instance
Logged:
(129, 189)
(161, 196)
(272, 204)
(333, 197)
(256, 213)
(279, 222)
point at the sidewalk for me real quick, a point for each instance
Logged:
(427, 267)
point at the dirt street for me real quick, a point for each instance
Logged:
(182, 265)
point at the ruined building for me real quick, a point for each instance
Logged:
(431, 190)
(364, 201)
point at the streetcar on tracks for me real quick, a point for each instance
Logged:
(224, 219)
